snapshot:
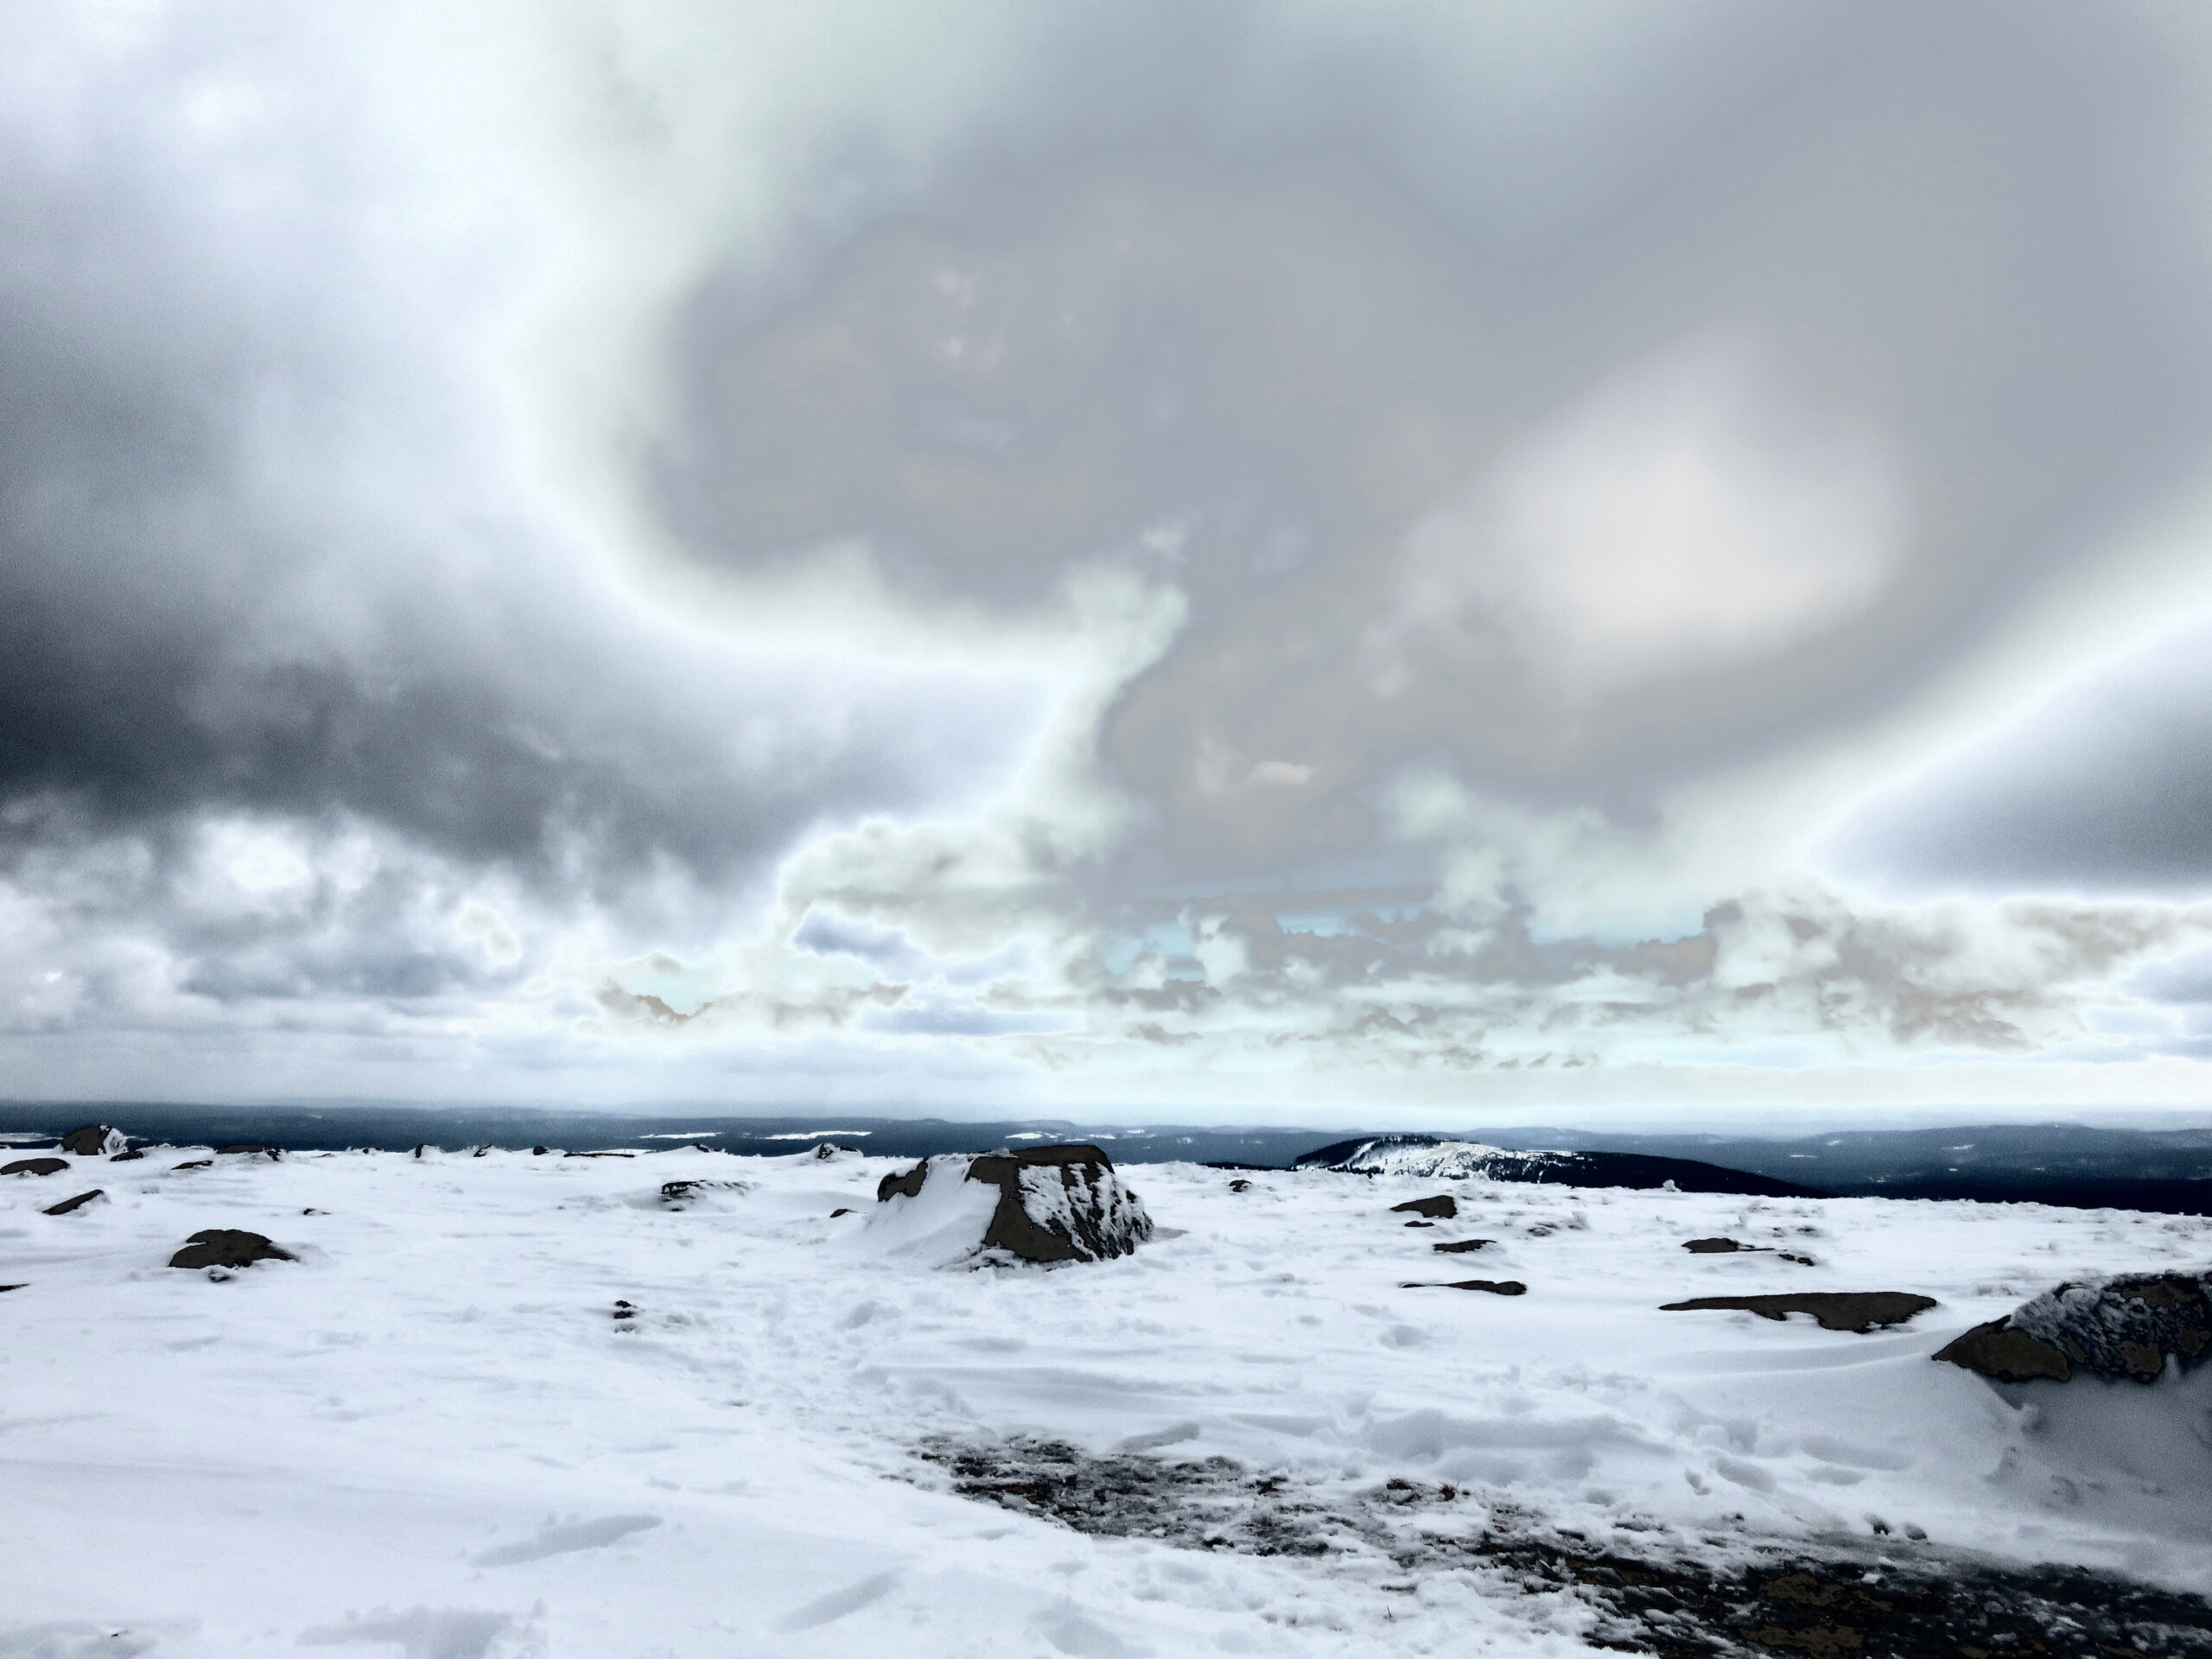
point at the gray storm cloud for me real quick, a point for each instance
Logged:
(1268, 533)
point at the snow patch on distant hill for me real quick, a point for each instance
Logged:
(1395, 1154)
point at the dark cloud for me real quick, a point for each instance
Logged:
(254, 558)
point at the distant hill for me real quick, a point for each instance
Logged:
(1436, 1159)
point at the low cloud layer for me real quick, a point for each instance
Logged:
(1261, 558)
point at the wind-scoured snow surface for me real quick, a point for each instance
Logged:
(441, 1432)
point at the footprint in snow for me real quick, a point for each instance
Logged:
(421, 1632)
(564, 1541)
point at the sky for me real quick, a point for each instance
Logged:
(1253, 561)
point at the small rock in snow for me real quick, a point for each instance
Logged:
(77, 1203)
(36, 1166)
(1836, 1310)
(226, 1247)
(126, 1155)
(1495, 1287)
(94, 1140)
(196, 1163)
(1240, 1186)
(1716, 1247)
(1461, 1245)
(1442, 1207)
(249, 1149)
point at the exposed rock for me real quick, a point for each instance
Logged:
(21, 1286)
(1495, 1287)
(34, 1167)
(481, 1152)
(196, 1163)
(225, 1246)
(127, 1155)
(908, 1185)
(77, 1203)
(1836, 1310)
(597, 1154)
(625, 1311)
(1240, 1185)
(834, 1214)
(94, 1140)
(249, 1149)
(1442, 1207)
(676, 1194)
(2127, 1325)
(539, 1152)
(1716, 1247)
(1056, 1203)
(1996, 1349)
(1421, 1223)
(1460, 1246)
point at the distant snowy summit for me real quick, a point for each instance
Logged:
(1432, 1158)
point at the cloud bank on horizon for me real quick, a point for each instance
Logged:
(1272, 556)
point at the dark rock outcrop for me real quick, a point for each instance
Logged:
(196, 1163)
(908, 1185)
(94, 1140)
(676, 1194)
(1836, 1310)
(1056, 1203)
(1442, 1207)
(1716, 1247)
(226, 1247)
(1461, 1245)
(78, 1203)
(249, 1149)
(1495, 1287)
(129, 1155)
(34, 1167)
(2127, 1325)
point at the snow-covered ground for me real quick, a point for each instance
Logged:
(431, 1435)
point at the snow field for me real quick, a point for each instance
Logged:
(431, 1436)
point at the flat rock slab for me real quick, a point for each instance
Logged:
(1442, 1207)
(227, 1247)
(1716, 1247)
(1460, 1246)
(36, 1166)
(77, 1203)
(2127, 1326)
(1495, 1287)
(249, 1149)
(1860, 1311)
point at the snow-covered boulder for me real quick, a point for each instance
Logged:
(2128, 1326)
(94, 1140)
(1042, 1203)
